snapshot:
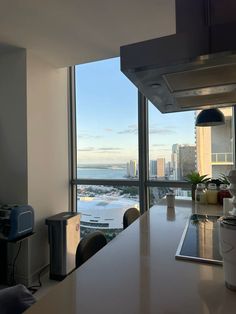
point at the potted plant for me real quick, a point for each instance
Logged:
(223, 179)
(194, 178)
(223, 188)
(217, 182)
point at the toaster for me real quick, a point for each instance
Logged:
(16, 221)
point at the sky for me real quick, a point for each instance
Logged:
(107, 118)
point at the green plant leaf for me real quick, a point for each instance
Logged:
(223, 179)
(195, 178)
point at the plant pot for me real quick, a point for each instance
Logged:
(193, 191)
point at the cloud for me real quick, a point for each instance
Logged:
(88, 136)
(127, 131)
(155, 128)
(132, 129)
(164, 131)
(86, 149)
(161, 150)
(132, 126)
(109, 148)
(108, 130)
(113, 152)
(100, 149)
(159, 145)
(171, 127)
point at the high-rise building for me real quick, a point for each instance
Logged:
(175, 161)
(131, 168)
(183, 160)
(215, 147)
(161, 167)
(153, 168)
(187, 160)
(127, 169)
(168, 169)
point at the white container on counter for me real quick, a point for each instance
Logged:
(212, 193)
(227, 206)
(200, 194)
(170, 200)
(228, 249)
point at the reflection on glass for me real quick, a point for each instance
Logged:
(205, 238)
(158, 194)
(102, 207)
(170, 213)
(201, 239)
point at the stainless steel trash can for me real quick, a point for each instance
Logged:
(63, 236)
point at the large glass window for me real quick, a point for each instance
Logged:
(107, 145)
(102, 207)
(107, 148)
(172, 147)
(177, 147)
(107, 122)
(157, 195)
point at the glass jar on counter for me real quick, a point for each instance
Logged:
(212, 193)
(223, 193)
(200, 194)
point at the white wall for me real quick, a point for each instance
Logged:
(47, 143)
(13, 128)
(222, 137)
(13, 140)
(34, 148)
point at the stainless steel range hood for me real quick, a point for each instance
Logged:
(193, 69)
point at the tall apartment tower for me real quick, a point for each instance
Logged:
(183, 159)
(187, 160)
(168, 169)
(161, 167)
(215, 147)
(175, 161)
(131, 168)
(153, 168)
(127, 169)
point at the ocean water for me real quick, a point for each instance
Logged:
(101, 172)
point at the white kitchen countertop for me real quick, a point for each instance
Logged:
(137, 273)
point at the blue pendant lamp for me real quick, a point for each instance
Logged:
(210, 117)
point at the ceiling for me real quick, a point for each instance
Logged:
(68, 32)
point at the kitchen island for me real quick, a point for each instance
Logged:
(137, 273)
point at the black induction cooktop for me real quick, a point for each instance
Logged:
(200, 240)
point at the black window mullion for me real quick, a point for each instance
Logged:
(143, 151)
(72, 139)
